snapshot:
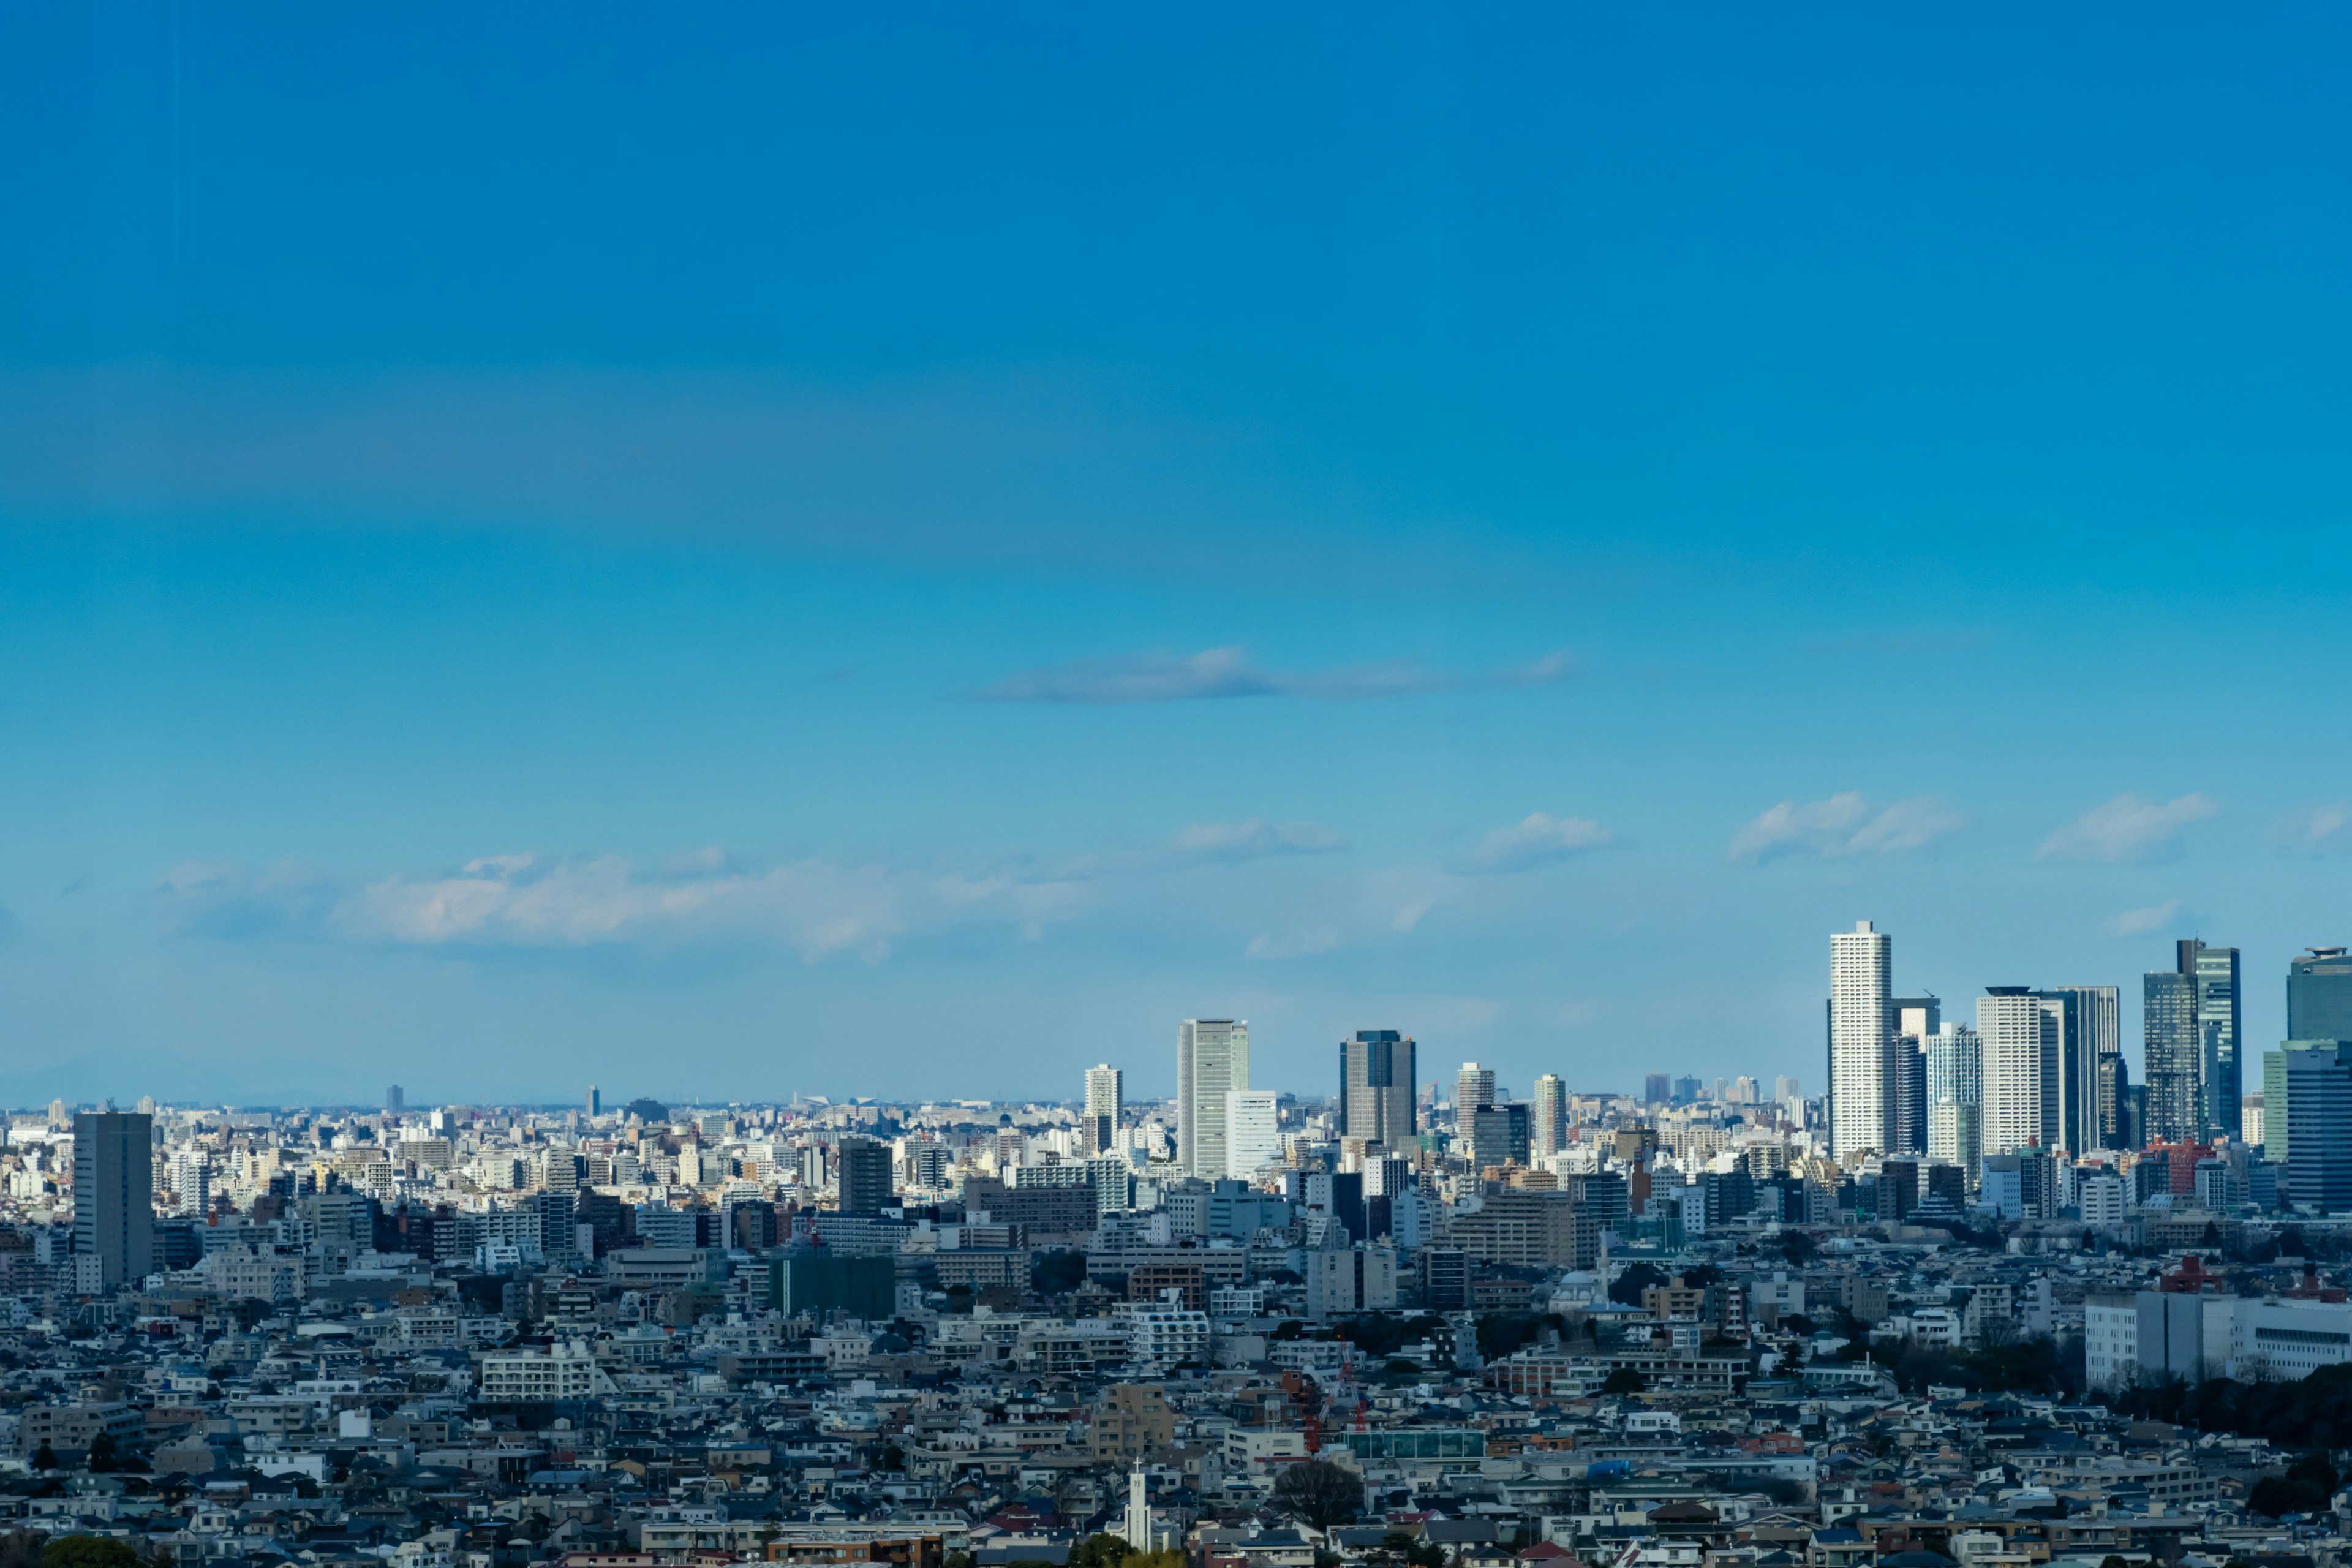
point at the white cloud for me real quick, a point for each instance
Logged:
(2129, 830)
(1537, 840)
(1206, 843)
(1227, 672)
(1296, 944)
(1410, 916)
(819, 907)
(2317, 830)
(1845, 824)
(2137, 922)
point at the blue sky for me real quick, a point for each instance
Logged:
(906, 551)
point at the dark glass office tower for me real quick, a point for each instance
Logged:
(2088, 1037)
(114, 1188)
(2319, 1106)
(1499, 1135)
(2215, 971)
(1908, 1079)
(1376, 1079)
(2319, 995)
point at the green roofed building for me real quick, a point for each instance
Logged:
(816, 1282)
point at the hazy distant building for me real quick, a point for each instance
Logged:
(1377, 1070)
(1862, 969)
(395, 1099)
(1656, 1089)
(595, 1102)
(114, 1185)
(1473, 1086)
(1105, 1101)
(1211, 1061)
(1252, 1132)
(1550, 1129)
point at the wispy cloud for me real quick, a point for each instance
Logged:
(2138, 922)
(2129, 830)
(1207, 844)
(1846, 824)
(1537, 840)
(2316, 830)
(223, 899)
(1220, 673)
(1292, 944)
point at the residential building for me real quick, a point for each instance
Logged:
(1106, 1101)
(1378, 1069)
(1211, 1061)
(114, 1185)
(1549, 1130)
(1474, 1087)
(865, 1178)
(1862, 1103)
(2110, 1339)
(2016, 1035)
(1361, 1278)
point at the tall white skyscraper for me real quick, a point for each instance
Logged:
(1474, 1087)
(1862, 1099)
(2017, 1047)
(1549, 1133)
(1954, 1097)
(1252, 1132)
(1211, 1061)
(1106, 1101)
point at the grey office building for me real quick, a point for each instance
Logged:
(1376, 1079)
(114, 1186)
(2319, 1106)
(2088, 1036)
(2319, 995)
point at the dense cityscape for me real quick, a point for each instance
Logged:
(1987, 1300)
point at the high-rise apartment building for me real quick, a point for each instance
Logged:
(1473, 1086)
(114, 1186)
(1862, 985)
(1211, 1061)
(1549, 1131)
(1954, 1063)
(865, 1174)
(2319, 995)
(1377, 1068)
(2171, 1057)
(2017, 1048)
(1106, 1102)
(1252, 1132)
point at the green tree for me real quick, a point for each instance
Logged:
(88, 1552)
(1318, 1494)
(101, 1453)
(45, 1458)
(1624, 1379)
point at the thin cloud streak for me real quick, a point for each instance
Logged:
(1536, 841)
(1845, 825)
(2130, 830)
(1223, 673)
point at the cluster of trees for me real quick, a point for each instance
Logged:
(26, 1550)
(2312, 1413)
(1113, 1551)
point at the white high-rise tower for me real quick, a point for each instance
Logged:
(1212, 1060)
(1106, 1099)
(1861, 1097)
(2017, 1054)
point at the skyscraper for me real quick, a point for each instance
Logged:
(395, 1099)
(2091, 1037)
(1954, 1064)
(1550, 1129)
(1499, 1135)
(1862, 971)
(865, 1179)
(2015, 1033)
(1212, 1060)
(2170, 1056)
(114, 1184)
(595, 1102)
(1252, 1132)
(2215, 970)
(1656, 1089)
(2319, 995)
(1106, 1102)
(2319, 1104)
(1907, 1078)
(1473, 1086)
(1377, 1068)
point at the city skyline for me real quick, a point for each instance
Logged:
(827, 549)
